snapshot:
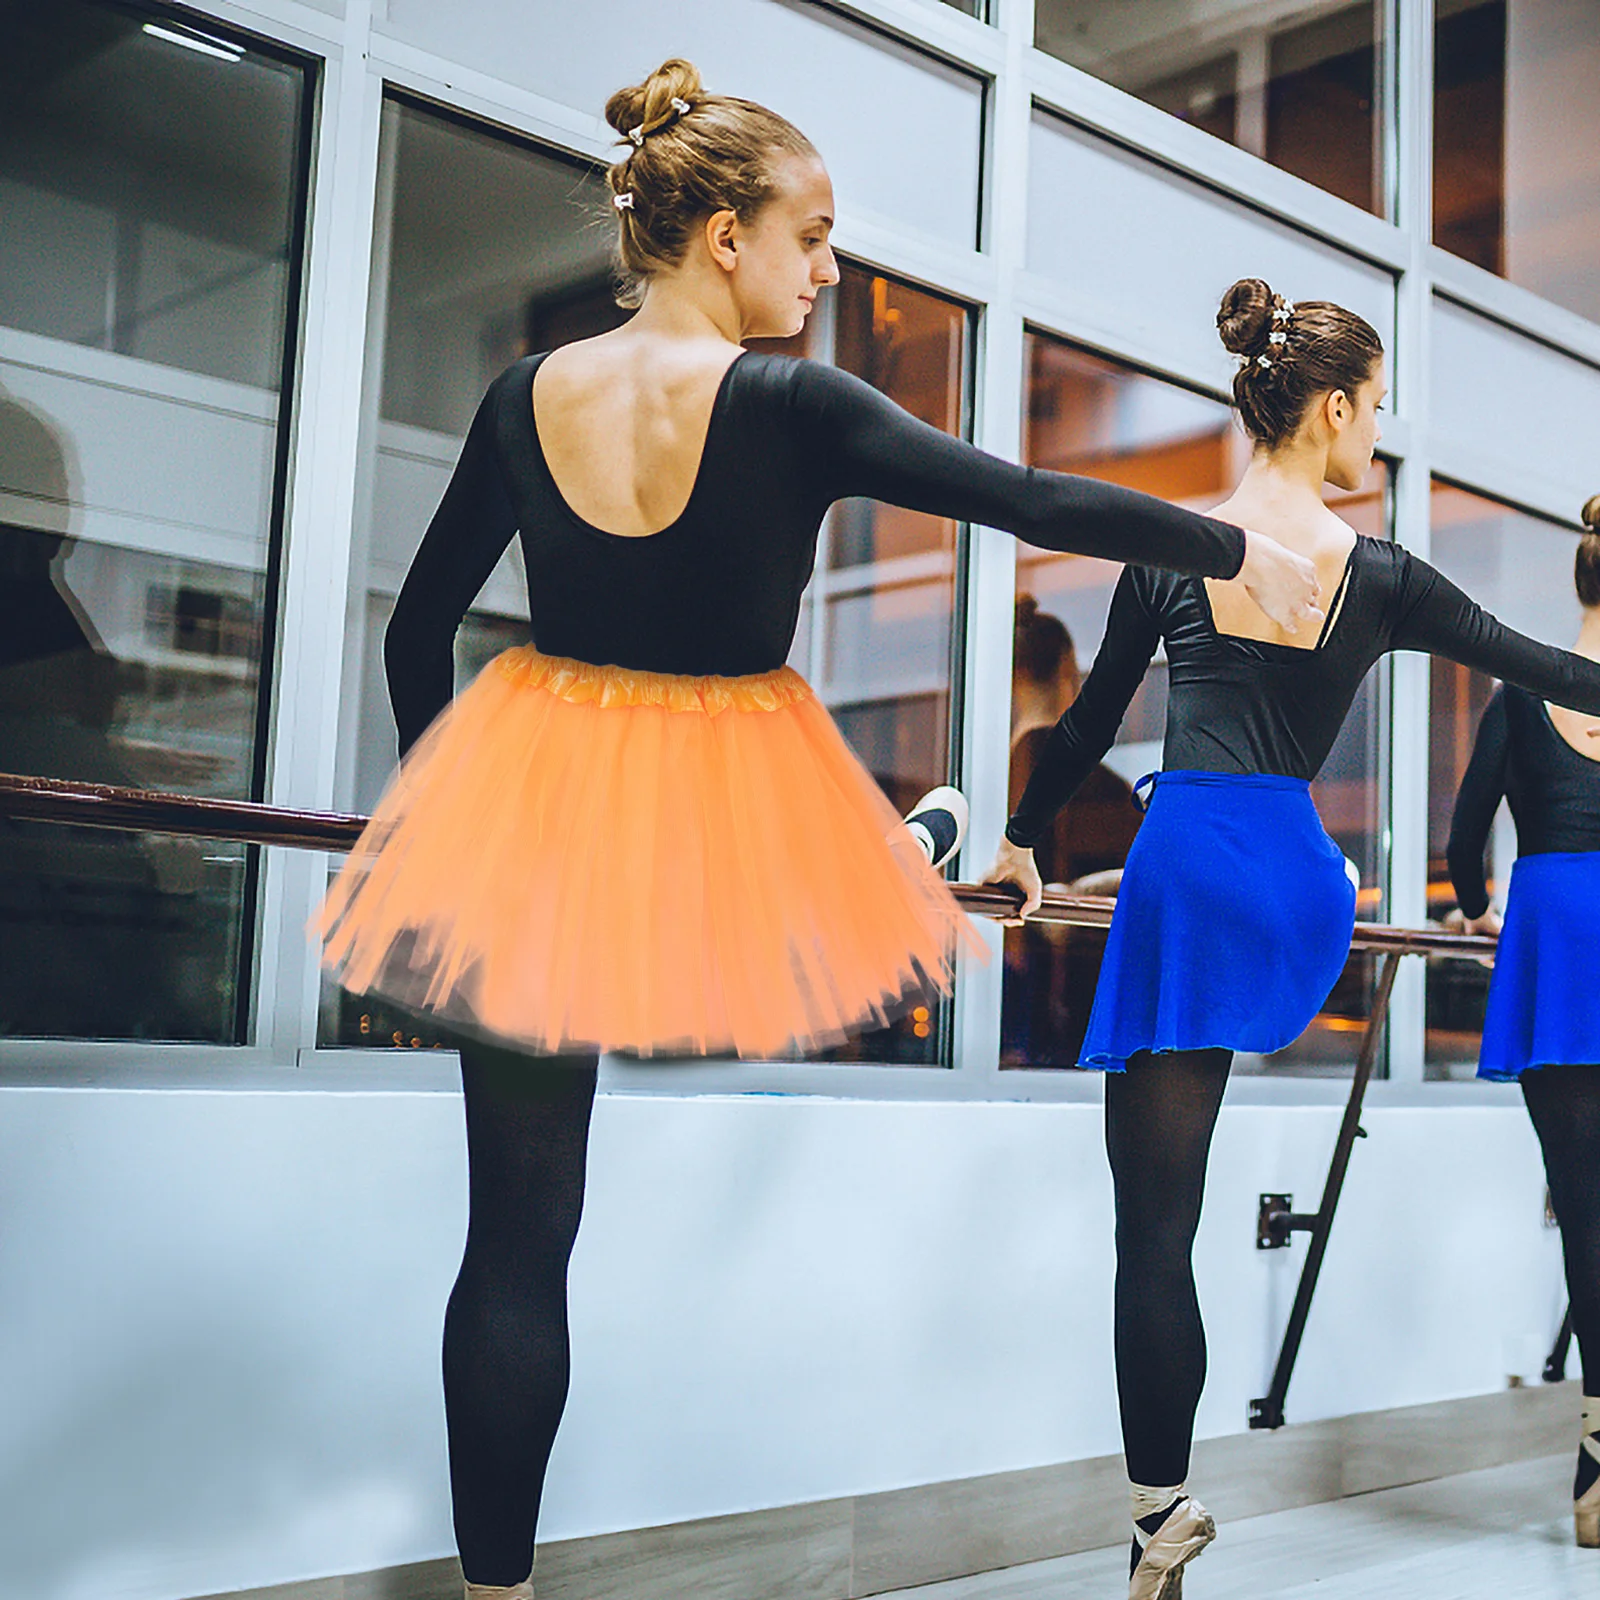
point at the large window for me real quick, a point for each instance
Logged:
(1297, 84)
(152, 183)
(1516, 143)
(489, 249)
(1520, 567)
(1089, 415)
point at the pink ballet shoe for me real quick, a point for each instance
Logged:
(1164, 1544)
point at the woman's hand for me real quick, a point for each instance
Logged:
(1016, 866)
(1489, 923)
(1283, 584)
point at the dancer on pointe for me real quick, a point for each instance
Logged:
(642, 831)
(1543, 1022)
(1236, 909)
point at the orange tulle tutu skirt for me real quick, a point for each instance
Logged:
(580, 858)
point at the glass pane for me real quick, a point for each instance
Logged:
(1296, 84)
(153, 191)
(1516, 143)
(1520, 567)
(1092, 416)
(876, 633)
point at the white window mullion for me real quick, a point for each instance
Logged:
(316, 569)
(1408, 730)
(991, 556)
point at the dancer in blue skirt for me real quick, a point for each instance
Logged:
(1543, 1024)
(1236, 908)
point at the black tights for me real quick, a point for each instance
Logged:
(1564, 1103)
(1160, 1115)
(505, 1330)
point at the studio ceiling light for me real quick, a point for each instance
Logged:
(217, 48)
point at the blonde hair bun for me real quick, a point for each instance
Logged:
(686, 155)
(643, 103)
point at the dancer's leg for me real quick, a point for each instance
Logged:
(1564, 1103)
(505, 1331)
(1160, 1115)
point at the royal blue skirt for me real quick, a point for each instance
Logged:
(1232, 925)
(1544, 999)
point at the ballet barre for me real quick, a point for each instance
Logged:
(96, 805)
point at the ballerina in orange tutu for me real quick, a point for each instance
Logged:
(642, 831)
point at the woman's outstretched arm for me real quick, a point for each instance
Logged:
(867, 445)
(1081, 737)
(1435, 616)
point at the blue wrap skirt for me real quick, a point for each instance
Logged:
(1544, 999)
(1232, 924)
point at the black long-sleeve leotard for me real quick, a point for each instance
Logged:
(718, 592)
(1554, 792)
(1248, 706)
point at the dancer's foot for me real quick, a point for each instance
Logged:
(1586, 1486)
(1164, 1543)
(491, 1591)
(938, 822)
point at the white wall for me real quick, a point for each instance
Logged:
(219, 1311)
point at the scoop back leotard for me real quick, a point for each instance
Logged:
(1544, 1004)
(1235, 911)
(642, 831)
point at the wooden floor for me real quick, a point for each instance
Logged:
(1502, 1534)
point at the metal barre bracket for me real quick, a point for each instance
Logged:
(1276, 1220)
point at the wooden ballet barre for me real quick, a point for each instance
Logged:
(102, 805)
(98, 805)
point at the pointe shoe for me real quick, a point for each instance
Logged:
(938, 822)
(491, 1591)
(1164, 1544)
(1586, 1493)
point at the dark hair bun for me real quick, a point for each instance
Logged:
(1245, 317)
(1590, 514)
(642, 103)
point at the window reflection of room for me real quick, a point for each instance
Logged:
(1297, 84)
(1092, 416)
(152, 184)
(1516, 153)
(1520, 567)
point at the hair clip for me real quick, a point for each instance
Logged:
(1263, 361)
(1277, 338)
(680, 108)
(623, 201)
(1284, 312)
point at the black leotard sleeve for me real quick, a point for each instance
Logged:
(1482, 789)
(1081, 738)
(869, 446)
(1434, 616)
(467, 536)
